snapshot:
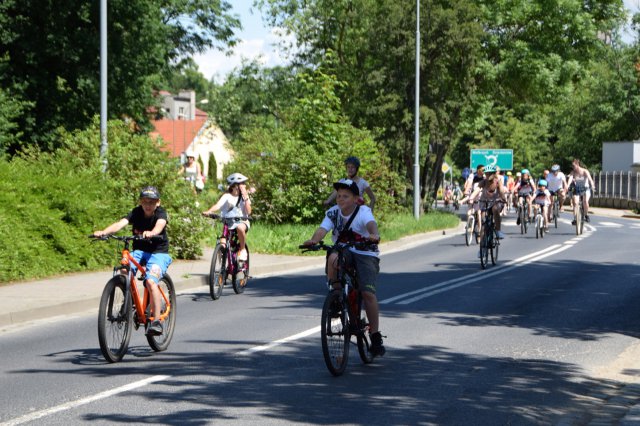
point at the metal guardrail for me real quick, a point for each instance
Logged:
(617, 185)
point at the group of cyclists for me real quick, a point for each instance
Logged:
(490, 184)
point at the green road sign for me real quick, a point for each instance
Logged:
(502, 158)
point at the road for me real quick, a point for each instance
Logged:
(548, 336)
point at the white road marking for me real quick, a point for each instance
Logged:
(280, 342)
(610, 224)
(83, 401)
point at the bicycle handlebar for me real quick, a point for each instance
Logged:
(358, 245)
(218, 216)
(124, 238)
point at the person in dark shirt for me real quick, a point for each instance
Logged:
(148, 220)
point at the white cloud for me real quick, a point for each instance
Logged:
(264, 49)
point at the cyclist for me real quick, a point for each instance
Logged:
(148, 220)
(360, 226)
(542, 198)
(557, 185)
(473, 180)
(583, 181)
(352, 164)
(456, 195)
(511, 183)
(524, 188)
(235, 203)
(492, 191)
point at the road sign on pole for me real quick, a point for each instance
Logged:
(502, 158)
(445, 167)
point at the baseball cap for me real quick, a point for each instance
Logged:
(347, 184)
(150, 192)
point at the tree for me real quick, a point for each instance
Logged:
(53, 56)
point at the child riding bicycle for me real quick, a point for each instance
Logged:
(351, 222)
(148, 220)
(235, 203)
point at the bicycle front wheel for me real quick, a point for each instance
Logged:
(115, 317)
(484, 250)
(241, 276)
(161, 342)
(523, 224)
(217, 275)
(556, 213)
(579, 224)
(538, 226)
(334, 332)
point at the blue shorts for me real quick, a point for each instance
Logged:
(156, 263)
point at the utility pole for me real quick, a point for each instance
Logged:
(103, 85)
(416, 166)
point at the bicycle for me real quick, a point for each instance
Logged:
(343, 315)
(489, 241)
(555, 210)
(523, 215)
(471, 231)
(224, 262)
(121, 306)
(539, 221)
(579, 217)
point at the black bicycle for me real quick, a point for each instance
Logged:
(489, 242)
(523, 215)
(343, 315)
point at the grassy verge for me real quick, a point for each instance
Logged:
(284, 239)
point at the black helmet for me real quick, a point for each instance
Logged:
(353, 160)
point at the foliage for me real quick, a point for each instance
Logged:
(293, 165)
(57, 199)
(53, 59)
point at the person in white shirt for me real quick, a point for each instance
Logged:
(352, 165)
(366, 262)
(235, 203)
(557, 185)
(542, 199)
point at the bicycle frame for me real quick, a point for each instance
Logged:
(132, 289)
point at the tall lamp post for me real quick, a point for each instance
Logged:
(103, 84)
(416, 166)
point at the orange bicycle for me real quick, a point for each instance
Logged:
(122, 307)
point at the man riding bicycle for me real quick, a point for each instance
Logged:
(351, 222)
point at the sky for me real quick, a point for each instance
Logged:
(259, 42)
(256, 42)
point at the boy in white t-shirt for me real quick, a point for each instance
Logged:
(363, 227)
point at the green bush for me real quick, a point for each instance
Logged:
(54, 201)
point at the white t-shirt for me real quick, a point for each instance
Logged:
(334, 220)
(555, 181)
(228, 208)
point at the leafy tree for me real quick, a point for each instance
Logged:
(53, 56)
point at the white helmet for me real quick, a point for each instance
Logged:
(236, 178)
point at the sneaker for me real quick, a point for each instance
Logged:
(479, 254)
(586, 218)
(242, 255)
(500, 235)
(518, 220)
(377, 349)
(573, 222)
(154, 328)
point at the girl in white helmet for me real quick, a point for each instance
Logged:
(235, 203)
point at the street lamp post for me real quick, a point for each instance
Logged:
(416, 166)
(103, 85)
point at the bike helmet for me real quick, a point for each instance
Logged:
(525, 172)
(509, 173)
(236, 178)
(353, 160)
(189, 153)
(150, 192)
(542, 182)
(490, 169)
(555, 168)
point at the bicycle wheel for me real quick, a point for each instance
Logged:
(579, 224)
(523, 225)
(364, 344)
(240, 278)
(525, 218)
(468, 230)
(217, 273)
(334, 333)
(495, 244)
(556, 212)
(538, 226)
(161, 342)
(484, 250)
(115, 317)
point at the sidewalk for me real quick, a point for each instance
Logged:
(78, 293)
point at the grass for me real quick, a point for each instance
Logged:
(284, 239)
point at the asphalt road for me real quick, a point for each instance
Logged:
(548, 336)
